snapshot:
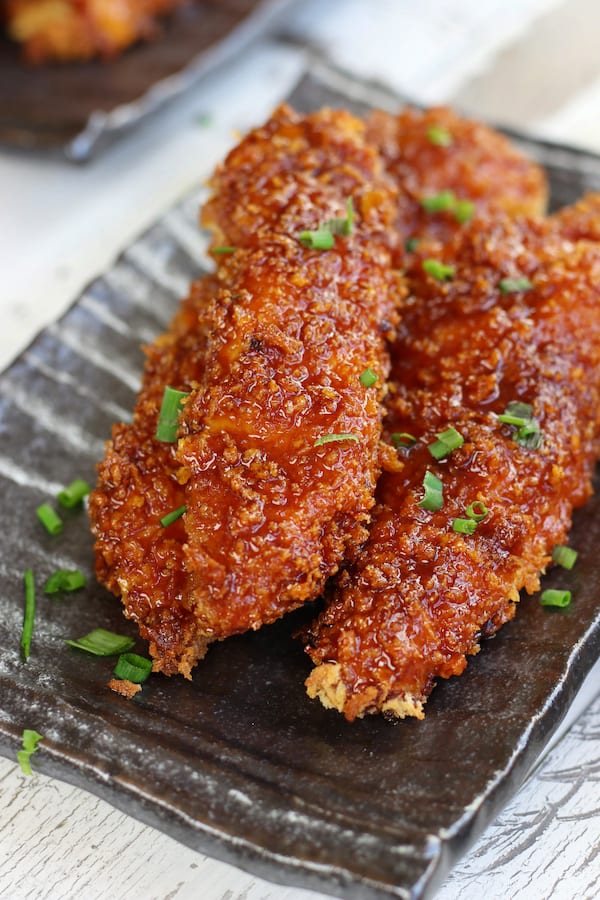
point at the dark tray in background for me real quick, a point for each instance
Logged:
(81, 107)
(239, 763)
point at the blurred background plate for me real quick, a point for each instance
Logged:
(79, 108)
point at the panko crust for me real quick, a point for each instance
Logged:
(421, 596)
(78, 30)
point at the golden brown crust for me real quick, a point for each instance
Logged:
(77, 30)
(127, 689)
(421, 595)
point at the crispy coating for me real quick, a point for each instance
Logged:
(77, 30)
(271, 350)
(430, 151)
(271, 516)
(421, 596)
(582, 220)
(138, 484)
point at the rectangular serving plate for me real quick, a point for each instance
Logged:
(239, 763)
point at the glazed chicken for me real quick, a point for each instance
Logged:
(277, 459)
(77, 30)
(496, 376)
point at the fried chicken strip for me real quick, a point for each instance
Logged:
(422, 595)
(273, 366)
(78, 30)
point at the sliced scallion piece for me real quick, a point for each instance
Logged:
(445, 201)
(514, 285)
(173, 516)
(464, 526)
(223, 251)
(447, 441)
(29, 614)
(319, 239)
(31, 740)
(464, 210)
(101, 642)
(368, 378)
(552, 597)
(434, 497)
(73, 494)
(477, 510)
(166, 428)
(438, 270)
(132, 667)
(49, 519)
(344, 225)
(330, 438)
(64, 580)
(439, 136)
(520, 416)
(323, 237)
(564, 556)
(403, 439)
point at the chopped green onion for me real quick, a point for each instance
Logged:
(31, 740)
(368, 378)
(529, 435)
(29, 614)
(464, 526)
(73, 494)
(447, 441)
(328, 438)
(166, 428)
(64, 580)
(49, 519)
(403, 439)
(438, 269)
(464, 211)
(477, 510)
(343, 226)
(519, 409)
(520, 415)
(221, 251)
(445, 201)
(173, 516)
(320, 239)
(513, 285)
(434, 497)
(439, 136)
(411, 244)
(564, 556)
(132, 667)
(555, 598)
(100, 642)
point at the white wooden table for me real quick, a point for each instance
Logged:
(533, 64)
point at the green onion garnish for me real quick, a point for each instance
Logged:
(434, 498)
(100, 642)
(329, 438)
(464, 211)
(49, 519)
(402, 439)
(173, 516)
(464, 526)
(73, 494)
(438, 269)
(513, 285)
(343, 226)
(439, 136)
(477, 510)
(368, 378)
(411, 244)
(529, 435)
(64, 580)
(132, 667)
(447, 441)
(445, 201)
(31, 740)
(29, 614)
(520, 415)
(317, 240)
(221, 251)
(166, 428)
(564, 556)
(555, 598)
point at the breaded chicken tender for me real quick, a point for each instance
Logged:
(514, 318)
(449, 169)
(278, 453)
(77, 30)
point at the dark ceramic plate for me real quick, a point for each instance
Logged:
(239, 763)
(82, 107)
